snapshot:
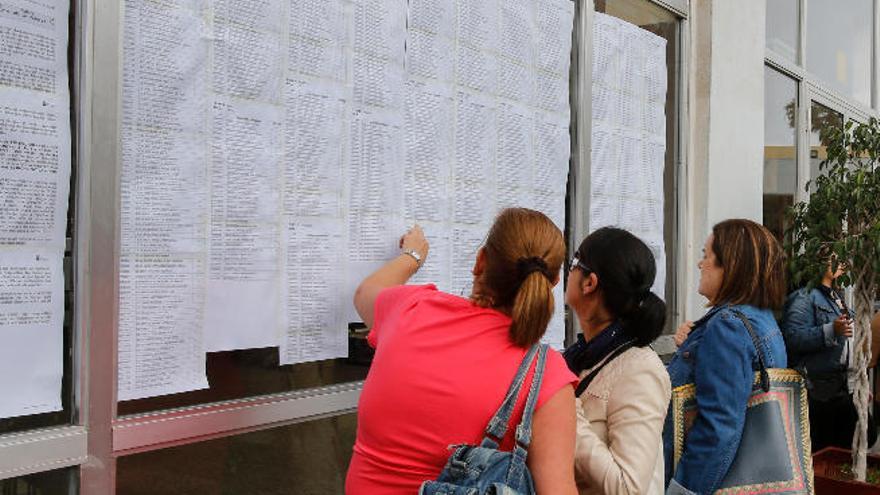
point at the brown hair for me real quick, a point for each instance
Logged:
(523, 254)
(753, 262)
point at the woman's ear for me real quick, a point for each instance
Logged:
(589, 284)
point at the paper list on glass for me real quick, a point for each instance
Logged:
(314, 329)
(34, 124)
(629, 133)
(375, 195)
(319, 33)
(248, 48)
(466, 241)
(31, 319)
(35, 155)
(427, 170)
(555, 334)
(430, 45)
(374, 199)
(243, 254)
(473, 173)
(515, 157)
(164, 202)
(552, 151)
(248, 54)
(317, 96)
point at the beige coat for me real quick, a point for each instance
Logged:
(619, 426)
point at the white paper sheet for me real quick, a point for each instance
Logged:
(164, 199)
(629, 133)
(488, 111)
(31, 319)
(34, 185)
(313, 323)
(317, 102)
(243, 251)
(302, 135)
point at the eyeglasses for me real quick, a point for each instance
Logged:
(577, 263)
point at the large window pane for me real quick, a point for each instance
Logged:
(57, 482)
(822, 120)
(780, 153)
(782, 27)
(663, 23)
(303, 459)
(839, 45)
(252, 372)
(39, 138)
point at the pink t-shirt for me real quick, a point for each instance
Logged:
(441, 370)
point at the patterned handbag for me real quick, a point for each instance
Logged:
(774, 452)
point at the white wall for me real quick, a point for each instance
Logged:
(726, 109)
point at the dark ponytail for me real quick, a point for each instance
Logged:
(626, 270)
(645, 323)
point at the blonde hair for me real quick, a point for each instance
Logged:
(523, 253)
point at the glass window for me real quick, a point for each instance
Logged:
(309, 457)
(58, 482)
(839, 45)
(663, 23)
(780, 153)
(822, 120)
(252, 372)
(782, 24)
(66, 414)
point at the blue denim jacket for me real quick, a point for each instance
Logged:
(719, 357)
(808, 329)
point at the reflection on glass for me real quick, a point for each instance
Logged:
(839, 45)
(782, 27)
(822, 120)
(306, 458)
(650, 17)
(57, 482)
(780, 154)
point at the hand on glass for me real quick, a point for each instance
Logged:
(415, 239)
(843, 326)
(681, 334)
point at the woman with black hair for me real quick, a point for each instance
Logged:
(624, 391)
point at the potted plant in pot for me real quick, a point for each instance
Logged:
(840, 223)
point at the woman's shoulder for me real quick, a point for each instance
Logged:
(730, 322)
(738, 312)
(636, 364)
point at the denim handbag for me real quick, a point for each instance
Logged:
(774, 451)
(485, 470)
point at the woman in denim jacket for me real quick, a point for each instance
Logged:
(741, 271)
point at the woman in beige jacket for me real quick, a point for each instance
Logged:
(624, 391)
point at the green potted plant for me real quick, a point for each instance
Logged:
(841, 222)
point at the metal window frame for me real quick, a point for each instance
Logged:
(581, 166)
(113, 436)
(44, 449)
(98, 436)
(811, 88)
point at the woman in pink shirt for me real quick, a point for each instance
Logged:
(443, 363)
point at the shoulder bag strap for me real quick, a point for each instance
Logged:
(582, 386)
(524, 430)
(517, 468)
(765, 377)
(497, 427)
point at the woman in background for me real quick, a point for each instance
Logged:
(741, 273)
(443, 363)
(621, 411)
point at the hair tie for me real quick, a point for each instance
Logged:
(532, 264)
